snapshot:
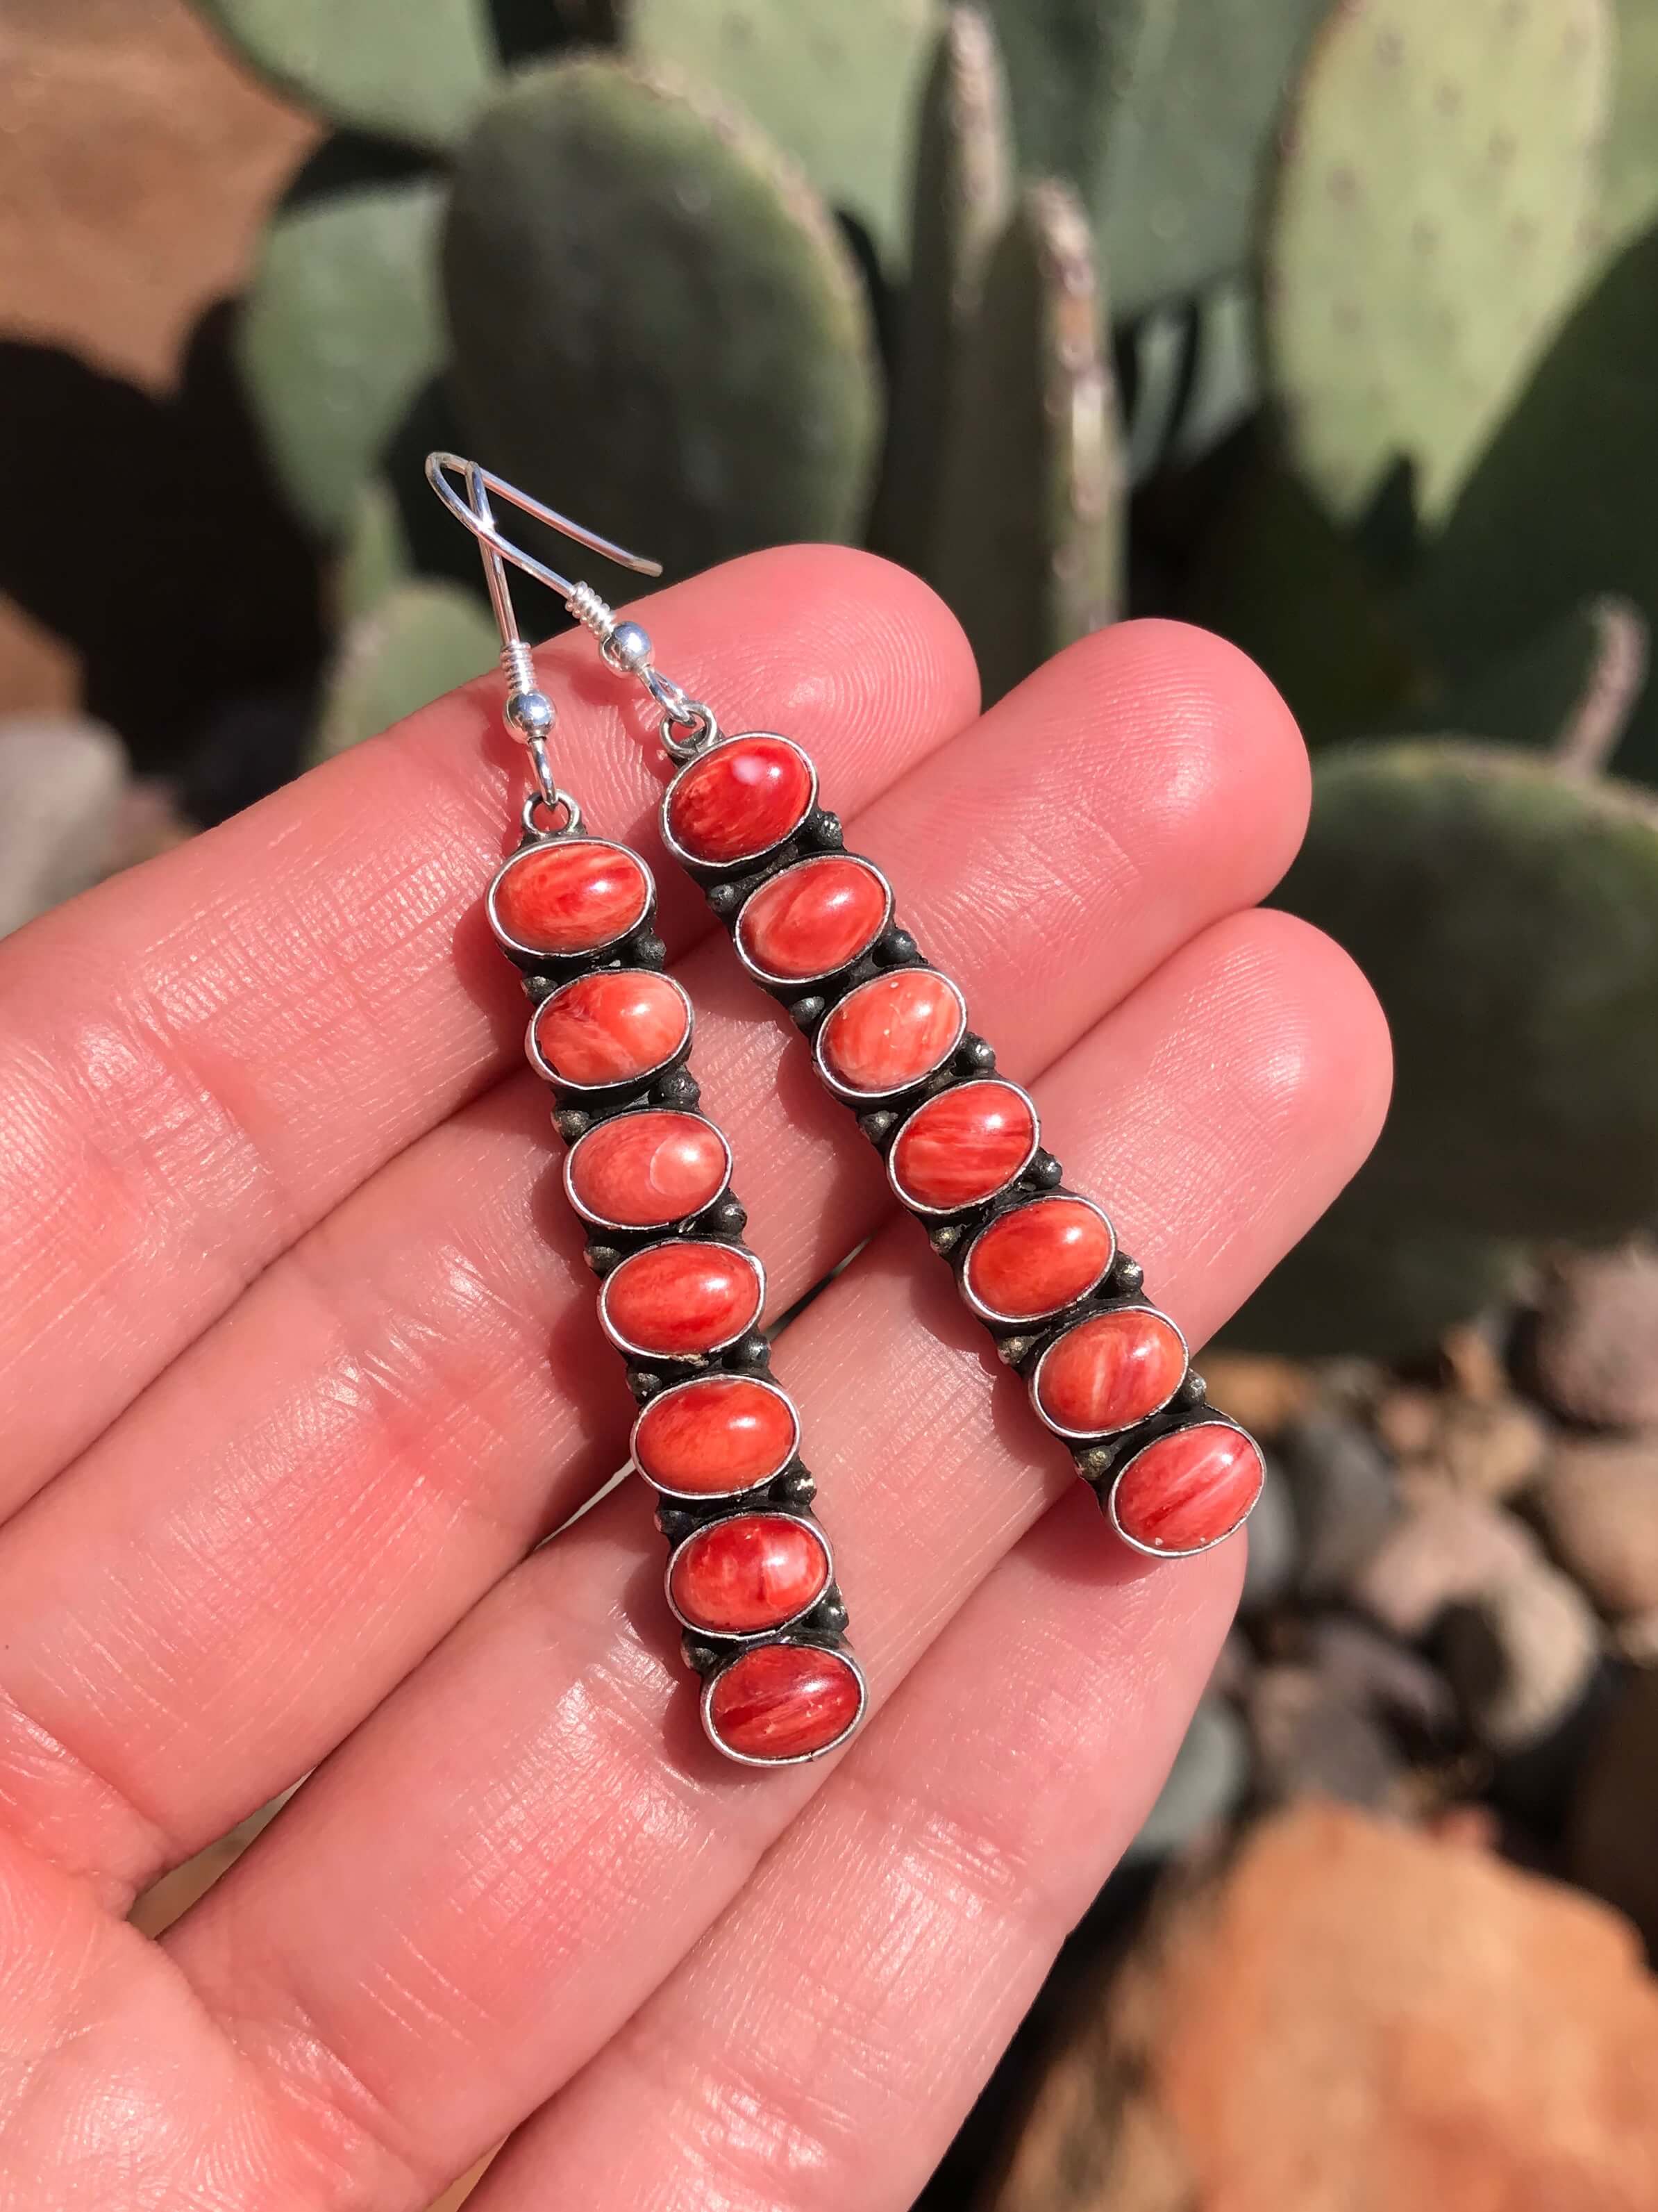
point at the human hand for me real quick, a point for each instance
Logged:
(299, 1359)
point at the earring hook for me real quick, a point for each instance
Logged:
(475, 512)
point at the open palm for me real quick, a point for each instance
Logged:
(299, 1361)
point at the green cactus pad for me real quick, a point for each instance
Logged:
(1559, 509)
(422, 640)
(375, 556)
(341, 326)
(963, 168)
(1030, 550)
(834, 85)
(1161, 113)
(1429, 228)
(656, 327)
(1630, 199)
(414, 69)
(1507, 916)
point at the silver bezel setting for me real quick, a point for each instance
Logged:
(648, 1353)
(1030, 1320)
(832, 1082)
(615, 1121)
(966, 1206)
(1084, 1321)
(796, 1758)
(539, 952)
(549, 1074)
(748, 1636)
(742, 859)
(700, 1381)
(1192, 1551)
(798, 983)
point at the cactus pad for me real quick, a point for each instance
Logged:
(422, 641)
(834, 86)
(963, 166)
(1429, 228)
(1507, 916)
(655, 325)
(414, 69)
(1629, 200)
(340, 328)
(1030, 550)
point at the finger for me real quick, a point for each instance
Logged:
(210, 1053)
(458, 1910)
(296, 1513)
(819, 2046)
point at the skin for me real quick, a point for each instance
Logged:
(299, 1360)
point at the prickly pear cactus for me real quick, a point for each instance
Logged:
(653, 321)
(341, 326)
(421, 641)
(1569, 692)
(963, 188)
(1630, 197)
(414, 69)
(1559, 509)
(1031, 520)
(1507, 916)
(1161, 113)
(1429, 224)
(835, 86)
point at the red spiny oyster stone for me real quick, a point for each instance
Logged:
(1037, 1259)
(612, 1027)
(673, 1301)
(1109, 1372)
(963, 1146)
(569, 896)
(891, 1031)
(814, 918)
(783, 1701)
(643, 1170)
(747, 1574)
(740, 799)
(1188, 1490)
(719, 1434)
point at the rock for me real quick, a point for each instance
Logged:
(1491, 1447)
(1521, 1656)
(1448, 1548)
(1475, 1362)
(1344, 1497)
(1355, 2015)
(1265, 1395)
(1312, 1741)
(1274, 1544)
(1612, 1836)
(1593, 1353)
(1599, 1508)
(62, 782)
(1205, 1785)
(1381, 1676)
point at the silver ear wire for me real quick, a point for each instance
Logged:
(687, 726)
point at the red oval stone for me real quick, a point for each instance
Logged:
(1039, 1258)
(963, 1146)
(612, 1028)
(740, 799)
(891, 1031)
(1188, 1490)
(754, 1571)
(569, 897)
(643, 1170)
(783, 1701)
(1109, 1372)
(673, 1301)
(813, 919)
(719, 1434)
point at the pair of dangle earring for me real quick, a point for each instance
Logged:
(751, 1576)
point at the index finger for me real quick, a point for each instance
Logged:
(207, 1054)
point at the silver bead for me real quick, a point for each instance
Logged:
(529, 714)
(629, 648)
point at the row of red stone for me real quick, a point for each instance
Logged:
(963, 1144)
(747, 1568)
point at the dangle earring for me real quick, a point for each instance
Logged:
(750, 1575)
(1039, 1264)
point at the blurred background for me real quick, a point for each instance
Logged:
(1332, 326)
